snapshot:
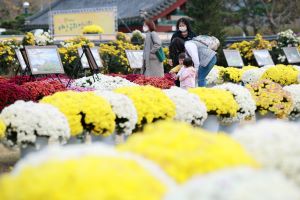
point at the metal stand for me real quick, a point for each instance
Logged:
(75, 71)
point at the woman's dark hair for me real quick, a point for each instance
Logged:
(181, 56)
(186, 22)
(188, 62)
(151, 25)
(177, 45)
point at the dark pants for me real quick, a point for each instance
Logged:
(177, 83)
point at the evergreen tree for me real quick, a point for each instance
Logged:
(207, 17)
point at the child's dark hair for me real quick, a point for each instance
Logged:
(181, 56)
(188, 62)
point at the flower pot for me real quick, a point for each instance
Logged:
(110, 140)
(210, 85)
(269, 115)
(126, 137)
(228, 128)
(75, 140)
(119, 139)
(297, 120)
(211, 123)
(40, 143)
(294, 119)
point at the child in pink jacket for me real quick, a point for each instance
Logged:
(187, 74)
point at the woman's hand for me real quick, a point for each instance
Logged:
(174, 75)
(170, 62)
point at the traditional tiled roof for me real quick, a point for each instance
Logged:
(128, 10)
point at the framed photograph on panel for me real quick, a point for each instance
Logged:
(292, 54)
(20, 59)
(44, 60)
(233, 58)
(135, 58)
(84, 61)
(263, 57)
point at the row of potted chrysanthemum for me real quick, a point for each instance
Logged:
(177, 161)
(282, 74)
(78, 117)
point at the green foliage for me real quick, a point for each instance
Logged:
(207, 17)
(15, 26)
(269, 16)
(12, 32)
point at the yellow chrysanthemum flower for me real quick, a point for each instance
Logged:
(92, 177)
(218, 102)
(92, 29)
(7, 54)
(84, 111)
(246, 47)
(282, 74)
(69, 50)
(151, 103)
(29, 39)
(183, 151)
(114, 56)
(2, 128)
(233, 74)
(270, 97)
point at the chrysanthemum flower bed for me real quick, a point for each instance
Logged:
(183, 151)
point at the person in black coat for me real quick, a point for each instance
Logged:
(183, 33)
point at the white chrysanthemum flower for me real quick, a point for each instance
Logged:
(213, 77)
(254, 75)
(237, 184)
(102, 82)
(43, 38)
(123, 107)
(275, 144)
(243, 97)
(189, 107)
(26, 121)
(294, 90)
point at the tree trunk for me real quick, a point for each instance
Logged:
(245, 29)
(273, 26)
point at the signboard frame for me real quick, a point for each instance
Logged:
(226, 51)
(261, 62)
(86, 10)
(131, 63)
(288, 57)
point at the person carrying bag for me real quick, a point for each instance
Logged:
(160, 53)
(153, 55)
(202, 50)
